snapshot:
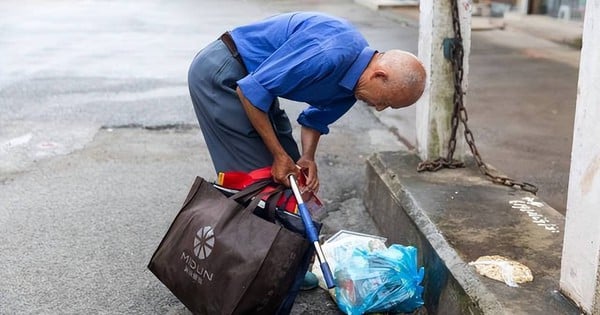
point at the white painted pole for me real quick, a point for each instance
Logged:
(522, 6)
(434, 109)
(580, 269)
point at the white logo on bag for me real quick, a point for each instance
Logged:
(204, 242)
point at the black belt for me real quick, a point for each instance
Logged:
(228, 41)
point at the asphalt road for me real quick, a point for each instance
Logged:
(99, 146)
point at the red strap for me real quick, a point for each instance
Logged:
(260, 173)
(240, 180)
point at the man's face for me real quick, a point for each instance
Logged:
(380, 97)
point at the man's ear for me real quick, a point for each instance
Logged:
(380, 74)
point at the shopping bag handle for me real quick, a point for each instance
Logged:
(251, 190)
(195, 187)
(243, 196)
(266, 196)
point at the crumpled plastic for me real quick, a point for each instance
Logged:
(503, 269)
(383, 280)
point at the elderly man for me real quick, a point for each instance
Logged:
(308, 57)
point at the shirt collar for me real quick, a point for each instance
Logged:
(356, 69)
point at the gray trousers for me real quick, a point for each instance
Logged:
(232, 141)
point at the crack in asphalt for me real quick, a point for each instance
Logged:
(176, 126)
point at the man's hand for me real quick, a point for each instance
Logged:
(309, 167)
(282, 167)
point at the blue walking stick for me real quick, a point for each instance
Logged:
(311, 233)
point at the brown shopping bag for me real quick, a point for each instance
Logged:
(219, 258)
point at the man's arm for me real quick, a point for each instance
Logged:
(310, 138)
(283, 164)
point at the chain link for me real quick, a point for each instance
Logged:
(459, 115)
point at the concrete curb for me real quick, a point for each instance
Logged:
(439, 213)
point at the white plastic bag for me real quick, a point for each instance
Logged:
(340, 246)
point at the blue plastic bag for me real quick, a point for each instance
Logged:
(386, 280)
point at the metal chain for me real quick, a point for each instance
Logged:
(459, 114)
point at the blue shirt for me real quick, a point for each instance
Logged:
(306, 57)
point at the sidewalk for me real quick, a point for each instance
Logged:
(566, 35)
(525, 80)
(542, 26)
(559, 31)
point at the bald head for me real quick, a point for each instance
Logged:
(406, 74)
(394, 79)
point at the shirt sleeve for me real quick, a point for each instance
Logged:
(320, 118)
(294, 66)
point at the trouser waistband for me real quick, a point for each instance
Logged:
(230, 44)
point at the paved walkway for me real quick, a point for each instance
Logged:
(520, 98)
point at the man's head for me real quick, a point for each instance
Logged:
(393, 79)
